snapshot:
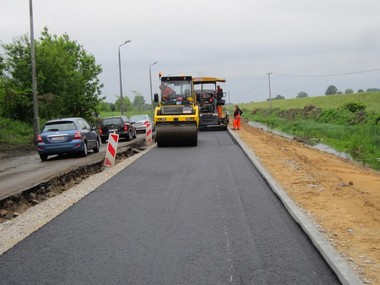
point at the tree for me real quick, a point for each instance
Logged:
(360, 91)
(302, 94)
(67, 78)
(349, 91)
(279, 97)
(2, 80)
(105, 106)
(2, 65)
(331, 90)
(373, 90)
(127, 105)
(15, 95)
(138, 101)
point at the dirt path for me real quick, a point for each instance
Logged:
(343, 197)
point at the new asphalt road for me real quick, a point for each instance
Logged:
(181, 215)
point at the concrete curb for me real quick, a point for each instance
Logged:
(337, 263)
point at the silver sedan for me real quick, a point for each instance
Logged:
(140, 121)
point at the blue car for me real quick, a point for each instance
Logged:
(67, 135)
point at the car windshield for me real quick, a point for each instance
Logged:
(111, 121)
(176, 92)
(137, 118)
(59, 126)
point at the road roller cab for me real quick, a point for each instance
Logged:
(176, 116)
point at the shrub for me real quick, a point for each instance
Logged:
(354, 106)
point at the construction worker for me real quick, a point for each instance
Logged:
(220, 111)
(167, 92)
(219, 93)
(237, 115)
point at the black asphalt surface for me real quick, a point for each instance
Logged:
(179, 215)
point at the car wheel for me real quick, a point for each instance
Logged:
(135, 136)
(96, 149)
(44, 157)
(128, 136)
(85, 150)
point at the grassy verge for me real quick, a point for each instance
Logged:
(371, 100)
(128, 114)
(361, 141)
(15, 135)
(15, 132)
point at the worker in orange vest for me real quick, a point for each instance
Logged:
(237, 115)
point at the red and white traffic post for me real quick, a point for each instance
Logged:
(111, 151)
(148, 134)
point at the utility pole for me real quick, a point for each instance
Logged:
(36, 123)
(270, 92)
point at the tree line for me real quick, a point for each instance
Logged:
(138, 104)
(331, 90)
(67, 80)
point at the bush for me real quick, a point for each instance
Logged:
(354, 106)
(338, 117)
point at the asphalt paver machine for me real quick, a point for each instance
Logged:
(210, 98)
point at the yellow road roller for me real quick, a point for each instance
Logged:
(176, 116)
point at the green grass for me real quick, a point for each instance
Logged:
(361, 141)
(371, 100)
(128, 114)
(15, 134)
(356, 133)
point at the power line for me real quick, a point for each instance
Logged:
(256, 87)
(326, 75)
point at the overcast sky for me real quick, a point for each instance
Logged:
(239, 40)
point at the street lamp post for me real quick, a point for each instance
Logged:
(150, 81)
(36, 123)
(121, 83)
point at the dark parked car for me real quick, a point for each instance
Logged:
(67, 135)
(120, 125)
(140, 122)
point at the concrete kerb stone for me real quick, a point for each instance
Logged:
(337, 263)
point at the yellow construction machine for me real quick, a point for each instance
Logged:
(210, 100)
(176, 117)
